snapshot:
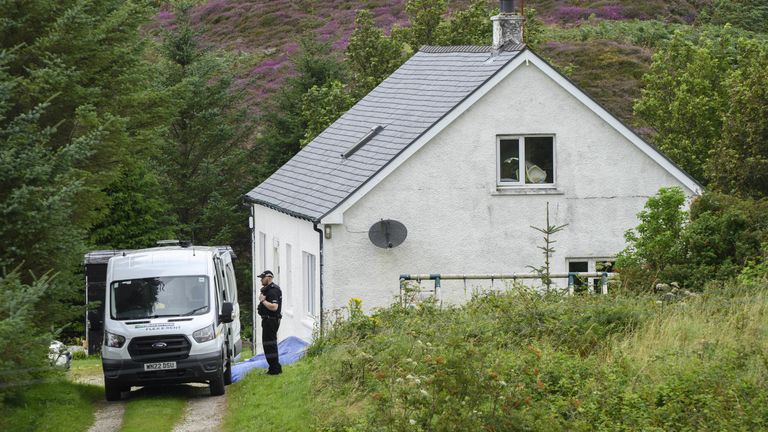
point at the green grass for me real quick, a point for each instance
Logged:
(271, 403)
(246, 354)
(157, 410)
(85, 367)
(53, 406)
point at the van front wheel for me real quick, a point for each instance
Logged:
(227, 368)
(228, 373)
(217, 383)
(112, 392)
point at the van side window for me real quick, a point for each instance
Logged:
(225, 291)
(222, 286)
(232, 284)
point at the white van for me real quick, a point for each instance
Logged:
(170, 316)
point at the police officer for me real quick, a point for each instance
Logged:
(270, 308)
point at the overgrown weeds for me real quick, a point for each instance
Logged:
(523, 360)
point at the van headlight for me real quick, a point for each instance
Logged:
(113, 340)
(204, 334)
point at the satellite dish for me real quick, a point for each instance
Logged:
(387, 233)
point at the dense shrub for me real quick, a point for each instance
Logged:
(725, 235)
(722, 237)
(528, 361)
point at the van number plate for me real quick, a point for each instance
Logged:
(159, 366)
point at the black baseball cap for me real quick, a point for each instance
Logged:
(265, 273)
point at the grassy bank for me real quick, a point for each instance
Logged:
(270, 403)
(522, 361)
(51, 406)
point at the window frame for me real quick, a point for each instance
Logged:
(262, 252)
(591, 284)
(309, 284)
(288, 282)
(521, 143)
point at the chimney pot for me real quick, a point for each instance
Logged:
(507, 6)
(507, 25)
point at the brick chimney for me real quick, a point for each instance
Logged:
(507, 25)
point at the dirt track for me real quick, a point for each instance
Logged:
(202, 412)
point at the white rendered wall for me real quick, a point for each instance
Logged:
(282, 230)
(457, 220)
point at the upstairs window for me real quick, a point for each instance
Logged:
(526, 160)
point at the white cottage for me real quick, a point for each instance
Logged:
(464, 145)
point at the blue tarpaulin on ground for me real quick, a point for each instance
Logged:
(290, 349)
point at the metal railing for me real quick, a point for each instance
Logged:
(571, 276)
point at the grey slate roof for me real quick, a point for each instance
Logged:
(407, 104)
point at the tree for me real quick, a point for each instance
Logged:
(655, 243)
(471, 26)
(425, 17)
(39, 188)
(547, 250)
(534, 28)
(82, 58)
(747, 14)
(137, 216)
(739, 164)
(203, 160)
(321, 106)
(282, 126)
(371, 55)
(683, 98)
(704, 100)
(81, 78)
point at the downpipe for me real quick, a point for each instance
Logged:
(322, 238)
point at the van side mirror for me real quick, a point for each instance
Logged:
(227, 311)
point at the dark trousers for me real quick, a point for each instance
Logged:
(269, 328)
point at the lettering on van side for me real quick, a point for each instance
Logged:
(158, 326)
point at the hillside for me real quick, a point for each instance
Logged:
(265, 32)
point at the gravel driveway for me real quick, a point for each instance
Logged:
(202, 413)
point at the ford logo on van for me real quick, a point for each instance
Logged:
(159, 345)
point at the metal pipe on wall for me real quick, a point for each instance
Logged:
(252, 225)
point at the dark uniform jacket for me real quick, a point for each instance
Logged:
(274, 295)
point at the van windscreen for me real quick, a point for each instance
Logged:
(159, 297)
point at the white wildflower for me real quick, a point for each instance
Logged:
(424, 392)
(412, 422)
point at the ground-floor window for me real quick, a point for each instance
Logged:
(262, 252)
(276, 264)
(310, 285)
(288, 282)
(589, 265)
